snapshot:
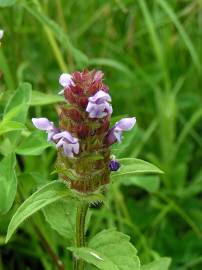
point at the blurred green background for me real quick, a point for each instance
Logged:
(150, 52)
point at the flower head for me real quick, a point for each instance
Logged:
(115, 133)
(1, 33)
(65, 81)
(98, 105)
(84, 136)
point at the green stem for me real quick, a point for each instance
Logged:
(80, 231)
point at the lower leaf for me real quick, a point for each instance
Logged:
(160, 264)
(46, 195)
(61, 216)
(110, 249)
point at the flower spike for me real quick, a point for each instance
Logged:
(84, 137)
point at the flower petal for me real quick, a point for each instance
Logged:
(75, 148)
(118, 135)
(98, 110)
(108, 108)
(50, 135)
(60, 143)
(65, 135)
(65, 80)
(100, 97)
(68, 150)
(43, 123)
(125, 124)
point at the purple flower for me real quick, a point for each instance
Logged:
(98, 105)
(1, 33)
(68, 142)
(115, 133)
(62, 139)
(114, 165)
(46, 125)
(65, 80)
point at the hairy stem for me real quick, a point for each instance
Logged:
(80, 231)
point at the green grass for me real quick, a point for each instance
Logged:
(150, 52)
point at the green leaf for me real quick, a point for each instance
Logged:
(33, 145)
(46, 195)
(5, 146)
(150, 183)
(22, 98)
(6, 3)
(6, 126)
(160, 264)
(8, 183)
(39, 98)
(110, 249)
(61, 216)
(11, 114)
(134, 166)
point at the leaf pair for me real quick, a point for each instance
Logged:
(57, 190)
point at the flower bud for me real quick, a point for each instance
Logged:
(114, 165)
